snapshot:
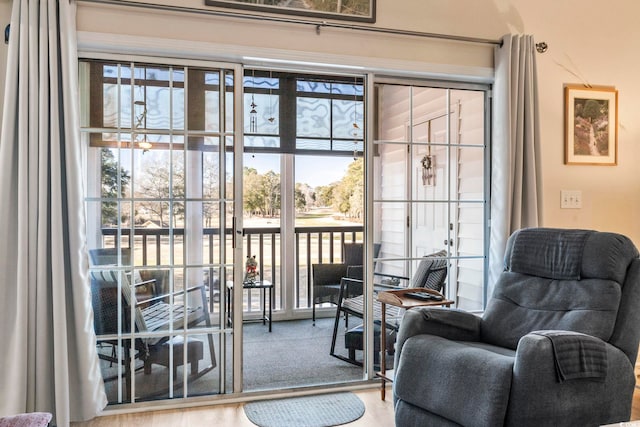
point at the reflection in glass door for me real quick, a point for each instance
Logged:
(160, 202)
(431, 181)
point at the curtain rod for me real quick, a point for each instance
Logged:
(318, 24)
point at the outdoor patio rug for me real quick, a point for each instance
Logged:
(322, 410)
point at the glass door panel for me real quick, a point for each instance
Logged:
(431, 183)
(159, 207)
(303, 139)
(262, 229)
(329, 206)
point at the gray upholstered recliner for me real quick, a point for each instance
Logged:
(556, 345)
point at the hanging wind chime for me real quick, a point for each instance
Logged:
(356, 128)
(271, 115)
(141, 123)
(253, 113)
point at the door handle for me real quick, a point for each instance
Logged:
(234, 232)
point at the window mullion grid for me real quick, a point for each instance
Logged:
(452, 183)
(410, 190)
(118, 236)
(171, 313)
(222, 213)
(170, 202)
(121, 273)
(331, 100)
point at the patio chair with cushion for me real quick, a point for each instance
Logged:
(153, 314)
(109, 257)
(326, 277)
(114, 304)
(431, 273)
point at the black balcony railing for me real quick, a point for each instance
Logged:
(151, 247)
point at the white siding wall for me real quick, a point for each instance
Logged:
(470, 186)
(420, 116)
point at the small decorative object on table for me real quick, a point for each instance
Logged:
(251, 273)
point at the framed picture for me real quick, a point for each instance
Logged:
(352, 10)
(591, 125)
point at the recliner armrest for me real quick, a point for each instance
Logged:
(575, 355)
(448, 323)
(535, 389)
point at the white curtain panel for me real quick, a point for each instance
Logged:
(48, 359)
(516, 189)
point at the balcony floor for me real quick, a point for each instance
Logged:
(294, 354)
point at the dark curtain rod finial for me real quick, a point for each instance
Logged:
(542, 47)
(6, 33)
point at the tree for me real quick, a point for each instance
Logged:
(261, 193)
(324, 194)
(271, 190)
(253, 197)
(592, 110)
(111, 170)
(153, 184)
(301, 193)
(210, 189)
(348, 193)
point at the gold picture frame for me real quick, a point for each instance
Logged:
(591, 125)
(350, 10)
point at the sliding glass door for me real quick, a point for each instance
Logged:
(170, 152)
(193, 169)
(160, 200)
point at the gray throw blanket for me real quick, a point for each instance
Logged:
(577, 355)
(549, 253)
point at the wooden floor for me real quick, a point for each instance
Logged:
(635, 409)
(378, 413)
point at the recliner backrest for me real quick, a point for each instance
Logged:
(557, 279)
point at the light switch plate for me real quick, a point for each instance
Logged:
(570, 199)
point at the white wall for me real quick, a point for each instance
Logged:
(203, 28)
(598, 43)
